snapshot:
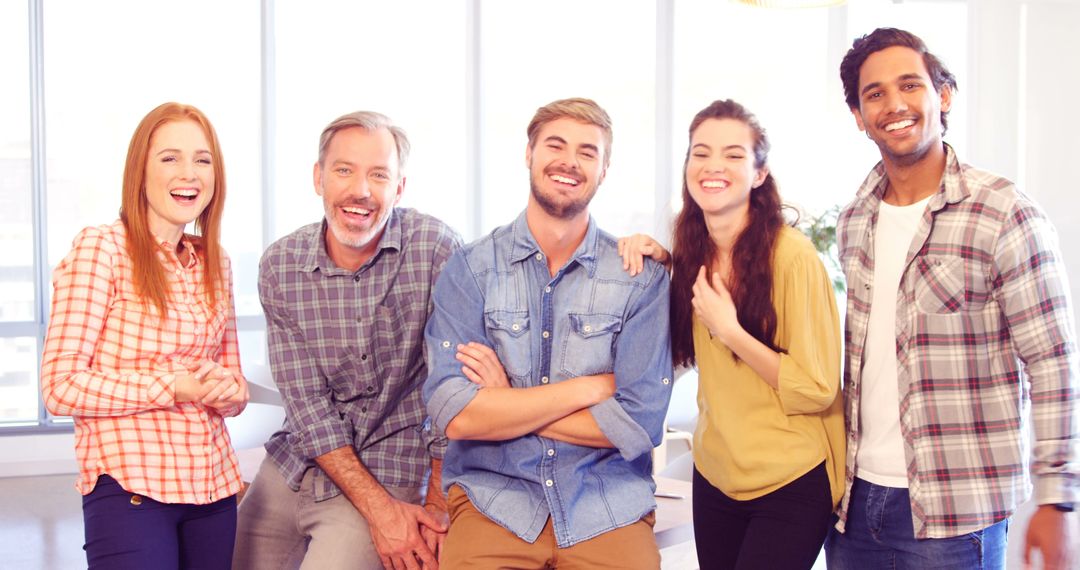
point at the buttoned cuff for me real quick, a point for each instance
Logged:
(622, 431)
(161, 393)
(1054, 488)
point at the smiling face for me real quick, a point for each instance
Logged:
(360, 185)
(566, 166)
(899, 109)
(179, 178)
(720, 170)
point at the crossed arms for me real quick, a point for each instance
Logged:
(468, 396)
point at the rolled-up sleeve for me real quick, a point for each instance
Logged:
(316, 427)
(633, 420)
(457, 318)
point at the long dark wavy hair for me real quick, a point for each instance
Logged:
(751, 257)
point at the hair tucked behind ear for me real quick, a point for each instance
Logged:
(751, 256)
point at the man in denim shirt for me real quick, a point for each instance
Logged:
(550, 371)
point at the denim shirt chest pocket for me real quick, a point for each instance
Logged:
(508, 331)
(589, 344)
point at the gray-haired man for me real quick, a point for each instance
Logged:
(346, 300)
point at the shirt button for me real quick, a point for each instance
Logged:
(587, 328)
(539, 257)
(370, 389)
(515, 327)
(547, 289)
(446, 344)
(666, 381)
(136, 500)
(363, 357)
(551, 452)
(364, 409)
(546, 334)
(549, 482)
(544, 380)
(356, 278)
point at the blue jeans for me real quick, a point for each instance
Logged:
(879, 534)
(129, 531)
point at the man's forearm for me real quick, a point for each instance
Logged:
(578, 428)
(497, 414)
(347, 472)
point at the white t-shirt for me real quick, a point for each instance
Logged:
(880, 455)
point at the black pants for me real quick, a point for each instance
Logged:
(783, 530)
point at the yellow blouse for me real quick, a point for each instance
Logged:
(751, 439)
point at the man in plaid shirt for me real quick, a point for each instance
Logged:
(959, 334)
(346, 300)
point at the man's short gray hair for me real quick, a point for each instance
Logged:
(369, 121)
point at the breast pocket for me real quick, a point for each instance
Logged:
(589, 345)
(940, 284)
(507, 330)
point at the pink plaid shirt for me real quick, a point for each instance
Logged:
(110, 362)
(984, 335)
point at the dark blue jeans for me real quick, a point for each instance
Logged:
(124, 530)
(879, 534)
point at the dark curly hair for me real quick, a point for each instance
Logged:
(883, 38)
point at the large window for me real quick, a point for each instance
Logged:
(159, 53)
(335, 57)
(462, 77)
(534, 53)
(18, 328)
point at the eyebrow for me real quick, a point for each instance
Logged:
(726, 148)
(904, 77)
(558, 139)
(165, 150)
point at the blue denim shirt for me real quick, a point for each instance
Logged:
(590, 318)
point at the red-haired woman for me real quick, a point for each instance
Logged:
(753, 308)
(142, 352)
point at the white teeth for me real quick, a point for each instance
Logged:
(359, 211)
(714, 184)
(899, 125)
(564, 179)
(185, 193)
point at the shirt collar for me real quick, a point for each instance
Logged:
(952, 188)
(318, 258)
(525, 245)
(169, 249)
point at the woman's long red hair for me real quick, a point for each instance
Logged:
(149, 276)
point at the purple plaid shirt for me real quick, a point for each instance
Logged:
(984, 336)
(347, 350)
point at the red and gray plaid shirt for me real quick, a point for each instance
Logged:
(985, 345)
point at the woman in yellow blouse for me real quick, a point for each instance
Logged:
(753, 308)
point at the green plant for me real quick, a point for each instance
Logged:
(821, 229)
